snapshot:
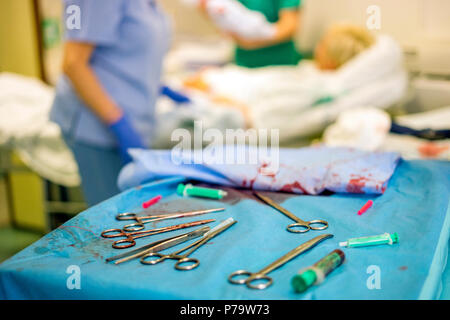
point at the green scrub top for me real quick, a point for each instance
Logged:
(280, 54)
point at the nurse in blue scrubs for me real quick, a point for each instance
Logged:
(105, 98)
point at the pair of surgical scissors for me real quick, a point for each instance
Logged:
(184, 259)
(158, 245)
(132, 236)
(262, 274)
(141, 220)
(299, 223)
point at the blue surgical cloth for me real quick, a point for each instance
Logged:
(130, 38)
(306, 170)
(415, 206)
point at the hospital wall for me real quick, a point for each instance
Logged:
(21, 192)
(188, 21)
(4, 211)
(18, 38)
(421, 26)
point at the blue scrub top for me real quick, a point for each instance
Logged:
(131, 39)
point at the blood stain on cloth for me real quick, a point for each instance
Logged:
(265, 170)
(292, 186)
(357, 184)
(403, 268)
(431, 150)
(252, 182)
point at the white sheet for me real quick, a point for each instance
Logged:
(24, 126)
(368, 129)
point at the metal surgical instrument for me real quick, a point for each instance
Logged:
(262, 274)
(304, 225)
(132, 236)
(141, 220)
(158, 245)
(193, 263)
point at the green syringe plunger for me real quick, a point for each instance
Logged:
(193, 191)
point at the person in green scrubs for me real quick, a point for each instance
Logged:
(280, 50)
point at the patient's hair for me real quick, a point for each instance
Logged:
(343, 42)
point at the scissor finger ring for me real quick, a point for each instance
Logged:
(321, 222)
(123, 244)
(126, 216)
(112, 233)
(155, 258)
(133, 227)
(298, 228)
(190, 263)
(258, 277)
(234, 275)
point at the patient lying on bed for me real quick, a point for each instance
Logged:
(351, 68)
(339, 45)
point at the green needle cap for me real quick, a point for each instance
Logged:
(180, 189)
(394, 237)
(301, 282)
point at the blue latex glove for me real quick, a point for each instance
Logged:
(126, 136)
(174, 95)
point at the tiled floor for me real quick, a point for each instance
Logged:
(13, 240)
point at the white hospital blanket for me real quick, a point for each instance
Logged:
(25, 127)
(368, 129)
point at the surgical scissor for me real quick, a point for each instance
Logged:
(189, 263)
(141, 220)
(299, 223)
(132, 236)
(262, 274)
(158, 245)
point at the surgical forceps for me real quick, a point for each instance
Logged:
(193, 263)
(141, 220)
(262, 274)
(305, 225)
(158, 245)
(132, 236)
